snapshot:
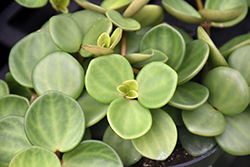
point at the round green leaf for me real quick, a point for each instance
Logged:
(93, 110)
(124, 148)
(156, 89)
(128, 118)
(134, 58)
(189, 96)
(104, 74)
(174, 113)
(195, 145)
(32, 3)
(229, 91)
(115, 5)
(196, 56)
(160, 140)
(182, 10)
(13, 105)
(187, 38)
(88, 5)
(215, 59)
(127, 24)
(235, 138)
(35, 156)
(58, 71)
(55, 121)
(65, 33)
(165, 38)
(26, 53)
(240, 60)
(4, 89)
(204, 120)
(92, 153)
(12, 138)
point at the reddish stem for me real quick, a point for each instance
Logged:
(123, 44)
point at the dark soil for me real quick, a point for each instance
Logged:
(178, 156)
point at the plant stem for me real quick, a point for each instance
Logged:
(205, 25)
(123, 44)
(199, 4)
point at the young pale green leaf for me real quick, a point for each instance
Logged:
(66, 76)
(4, 88)
(182, 10)
(165, 38)
(189, 96)
(237, 132)
(131, 84)
(134, 58)
(65, 33)
(116, 37)
(60, 5)
(160, 140)
(128, 118)
(132, 94)
(92, 153)
(197, 53)
(26, 53)
(97, 50)
(104, 40)
(55, 121)
(88, 5)
(118, 5)
(123, 89)
(35, 156)
(216, 59)
(13, 105)
(228, 90)
(122, 147)
(134, 7)
(100, 84)
(32, 3)
(204, 120)
(12, 138)
(150, 95)
(93, 110)
(127, 24)
(195, 145)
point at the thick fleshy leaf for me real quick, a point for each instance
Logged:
(32, 3)
(12, 138)
(100, 26)
(115, 5)
(92, 153)
(240, 60)
(100, 84)
(204, 121)
(216, 59)
(127, 24)
(4, 89)
(229, 91)
(116, 37)
(187, 37)
(55, 121)
(93, 110)
(60, 5)
(13, 105)
(189, 96)
(97, 50)
(182, 10)
(65, 33)
(174, 113)
(128, 118)
(149, 15)
(156, 89)
(165, 38)
(134, 7)
(195, 145)
(58, 71)
(134, 58)
(26, 53)
(88, 5)
(234, 44)
(104, 40)
(196, 56)
(122, 147)
(235, 138)
(161, 139)
(35, 156)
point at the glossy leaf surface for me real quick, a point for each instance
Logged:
(128, 118)
(187, 37)
(100, 84)
(92, 153)
(196, 56)
(55, 121)
(156, 89)
(26, 53)
(4, 89)
(66, 33)
(13, 105)
(122, 147)
(66, 76)
(32, 3)
(229, 91)
(168, 40)
(12, 138)
(189, 96)
(237, 132)
(204, 121)
(161, 139)
(35, 156)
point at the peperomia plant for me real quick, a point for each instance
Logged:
(120, 61)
